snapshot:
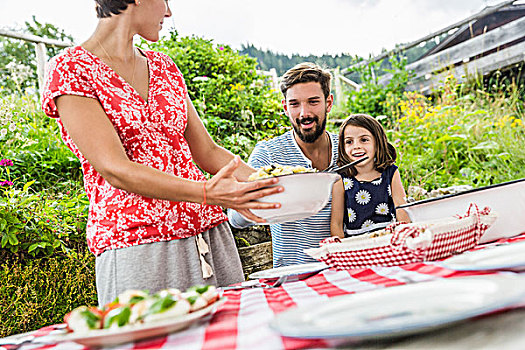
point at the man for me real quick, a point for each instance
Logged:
(306, 101)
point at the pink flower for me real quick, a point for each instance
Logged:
(6, 183)
(221, 48)
(6, 162)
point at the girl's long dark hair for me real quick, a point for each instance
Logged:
(385, 154)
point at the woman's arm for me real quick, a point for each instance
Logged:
(94, 135)
(338, 209)
(212, 158)
(399, 197)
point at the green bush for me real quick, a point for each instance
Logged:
(32, 141)
(375, 98)
(460, 138)
(43, 223)
(38, 292)
(238, 106)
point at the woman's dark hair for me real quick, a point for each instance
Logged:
(385, 154)
(108, 8)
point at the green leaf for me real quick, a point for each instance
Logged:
(475, 113)
(91, 318)
(162, 304)
(451, 138)
(136, 298)
(27, 185)
(120, 315)
(504, 156)
(33, 247)
(486, 145)
(192, 299)
(12, 239)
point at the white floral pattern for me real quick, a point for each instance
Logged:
(371, 201)
(367, 224)
(351, 215)
(377, 182)
(382, 209)
(362, 197)
(348, 183)
(152, 133)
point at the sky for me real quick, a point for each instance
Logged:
(355, 27)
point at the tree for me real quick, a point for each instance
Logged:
(267, 59)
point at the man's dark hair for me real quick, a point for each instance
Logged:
(305, 73)
(108, 8)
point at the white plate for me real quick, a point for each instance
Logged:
(510, 256)
(402, 310)
(304, 195)
(292, 272)
(105, 337)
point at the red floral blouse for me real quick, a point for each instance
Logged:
(152, 133)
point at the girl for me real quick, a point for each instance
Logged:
(368, 194)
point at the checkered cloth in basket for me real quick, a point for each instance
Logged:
(404, 243)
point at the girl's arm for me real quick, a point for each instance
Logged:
(338, 209)
(94, 135)
(399, 197)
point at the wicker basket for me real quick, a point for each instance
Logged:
(403, 243)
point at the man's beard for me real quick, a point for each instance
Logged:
(312, 136)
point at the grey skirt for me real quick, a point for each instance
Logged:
(172, 264)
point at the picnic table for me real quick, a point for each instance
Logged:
(242, 322)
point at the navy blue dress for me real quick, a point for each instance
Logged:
(368, 204)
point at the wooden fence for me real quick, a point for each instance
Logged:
(40, 49)
(478, 55)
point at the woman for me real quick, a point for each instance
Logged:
(154, 220)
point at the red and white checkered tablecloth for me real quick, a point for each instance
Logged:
(242, 322)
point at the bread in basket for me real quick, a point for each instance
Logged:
(404, 243)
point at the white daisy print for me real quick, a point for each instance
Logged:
(377, 182)
(348, 183)
(382, 209)
(351, 215)
(389, 191)
(367, 224)
(362, 197)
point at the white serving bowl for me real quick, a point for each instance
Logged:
(507, 200)
(304, 195)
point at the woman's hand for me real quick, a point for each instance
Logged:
(223, 189)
